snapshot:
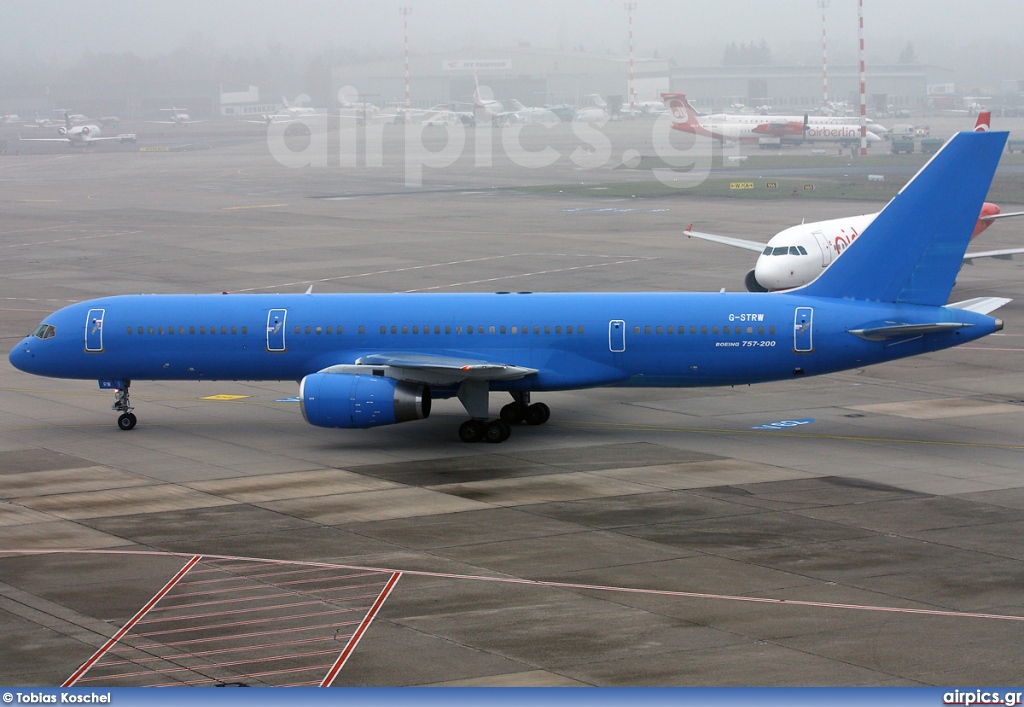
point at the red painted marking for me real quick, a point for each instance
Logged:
(134, 620)
(236, 678)
(200, 668)
(183, 617)
(354, 641)
(532, 582)
(124, 648)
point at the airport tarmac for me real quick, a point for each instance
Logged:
(641, 537)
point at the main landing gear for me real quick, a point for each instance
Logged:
(518, 411)
(123, 405)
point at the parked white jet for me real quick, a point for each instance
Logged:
(79, 135)
(178, 117)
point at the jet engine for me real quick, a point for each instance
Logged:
(62, 131)
(85, 130)
(355, 401)
(752, 284)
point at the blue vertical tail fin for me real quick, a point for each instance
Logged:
(914, 248)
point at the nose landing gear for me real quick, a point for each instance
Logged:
(123, 405)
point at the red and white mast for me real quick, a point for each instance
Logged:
(863, 93)
(824, 53)
(405, 11)
(630, 6)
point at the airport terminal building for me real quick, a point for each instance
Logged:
(889, 86)
(532, 76)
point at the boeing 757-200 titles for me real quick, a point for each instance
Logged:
(364, 360)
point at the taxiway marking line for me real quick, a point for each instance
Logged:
(988, 348)
(543, 583)
(365, 624)
(778, 433)
(257, 206)
(567, 425)
(528, 274)
(128, 626)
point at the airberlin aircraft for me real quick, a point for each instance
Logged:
(795, 256)
(727, 127)
(365, 360)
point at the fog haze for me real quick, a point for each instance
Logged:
(48, 30)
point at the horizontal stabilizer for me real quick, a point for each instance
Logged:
(912, 251)
(726, 240)
(981, 305)
(899, 331)
(995, 217)
(1004, 254)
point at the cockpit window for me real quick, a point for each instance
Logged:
(803, 251)
(767, 251)
(45, 331)
(793, 250)
(781, 251)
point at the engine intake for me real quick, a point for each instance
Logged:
(341, 400)
(752, 284)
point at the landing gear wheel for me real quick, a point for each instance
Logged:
(513, 413)
(127, 421)
(497, 431)
(546, 410)
(471, 431)
(537, 414)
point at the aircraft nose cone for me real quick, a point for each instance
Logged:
(21, 356)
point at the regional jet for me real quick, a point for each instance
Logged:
(365, 360)
(79, 135)
(179, 116)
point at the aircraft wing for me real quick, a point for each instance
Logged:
(43, 139)
(726, 240)
(1004, 254)
(431, 369)
(899, 331)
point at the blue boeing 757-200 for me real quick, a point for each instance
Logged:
(368, 360)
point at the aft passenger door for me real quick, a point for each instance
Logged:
(617, 336)
(94, 331)
(803, 341)
(276, 330)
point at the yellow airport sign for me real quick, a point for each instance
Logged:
(741, 185)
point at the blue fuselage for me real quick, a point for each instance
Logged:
(574, 340)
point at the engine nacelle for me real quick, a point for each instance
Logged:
(752, 284)
(347, 401)
(85, 130)
(62, 131)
